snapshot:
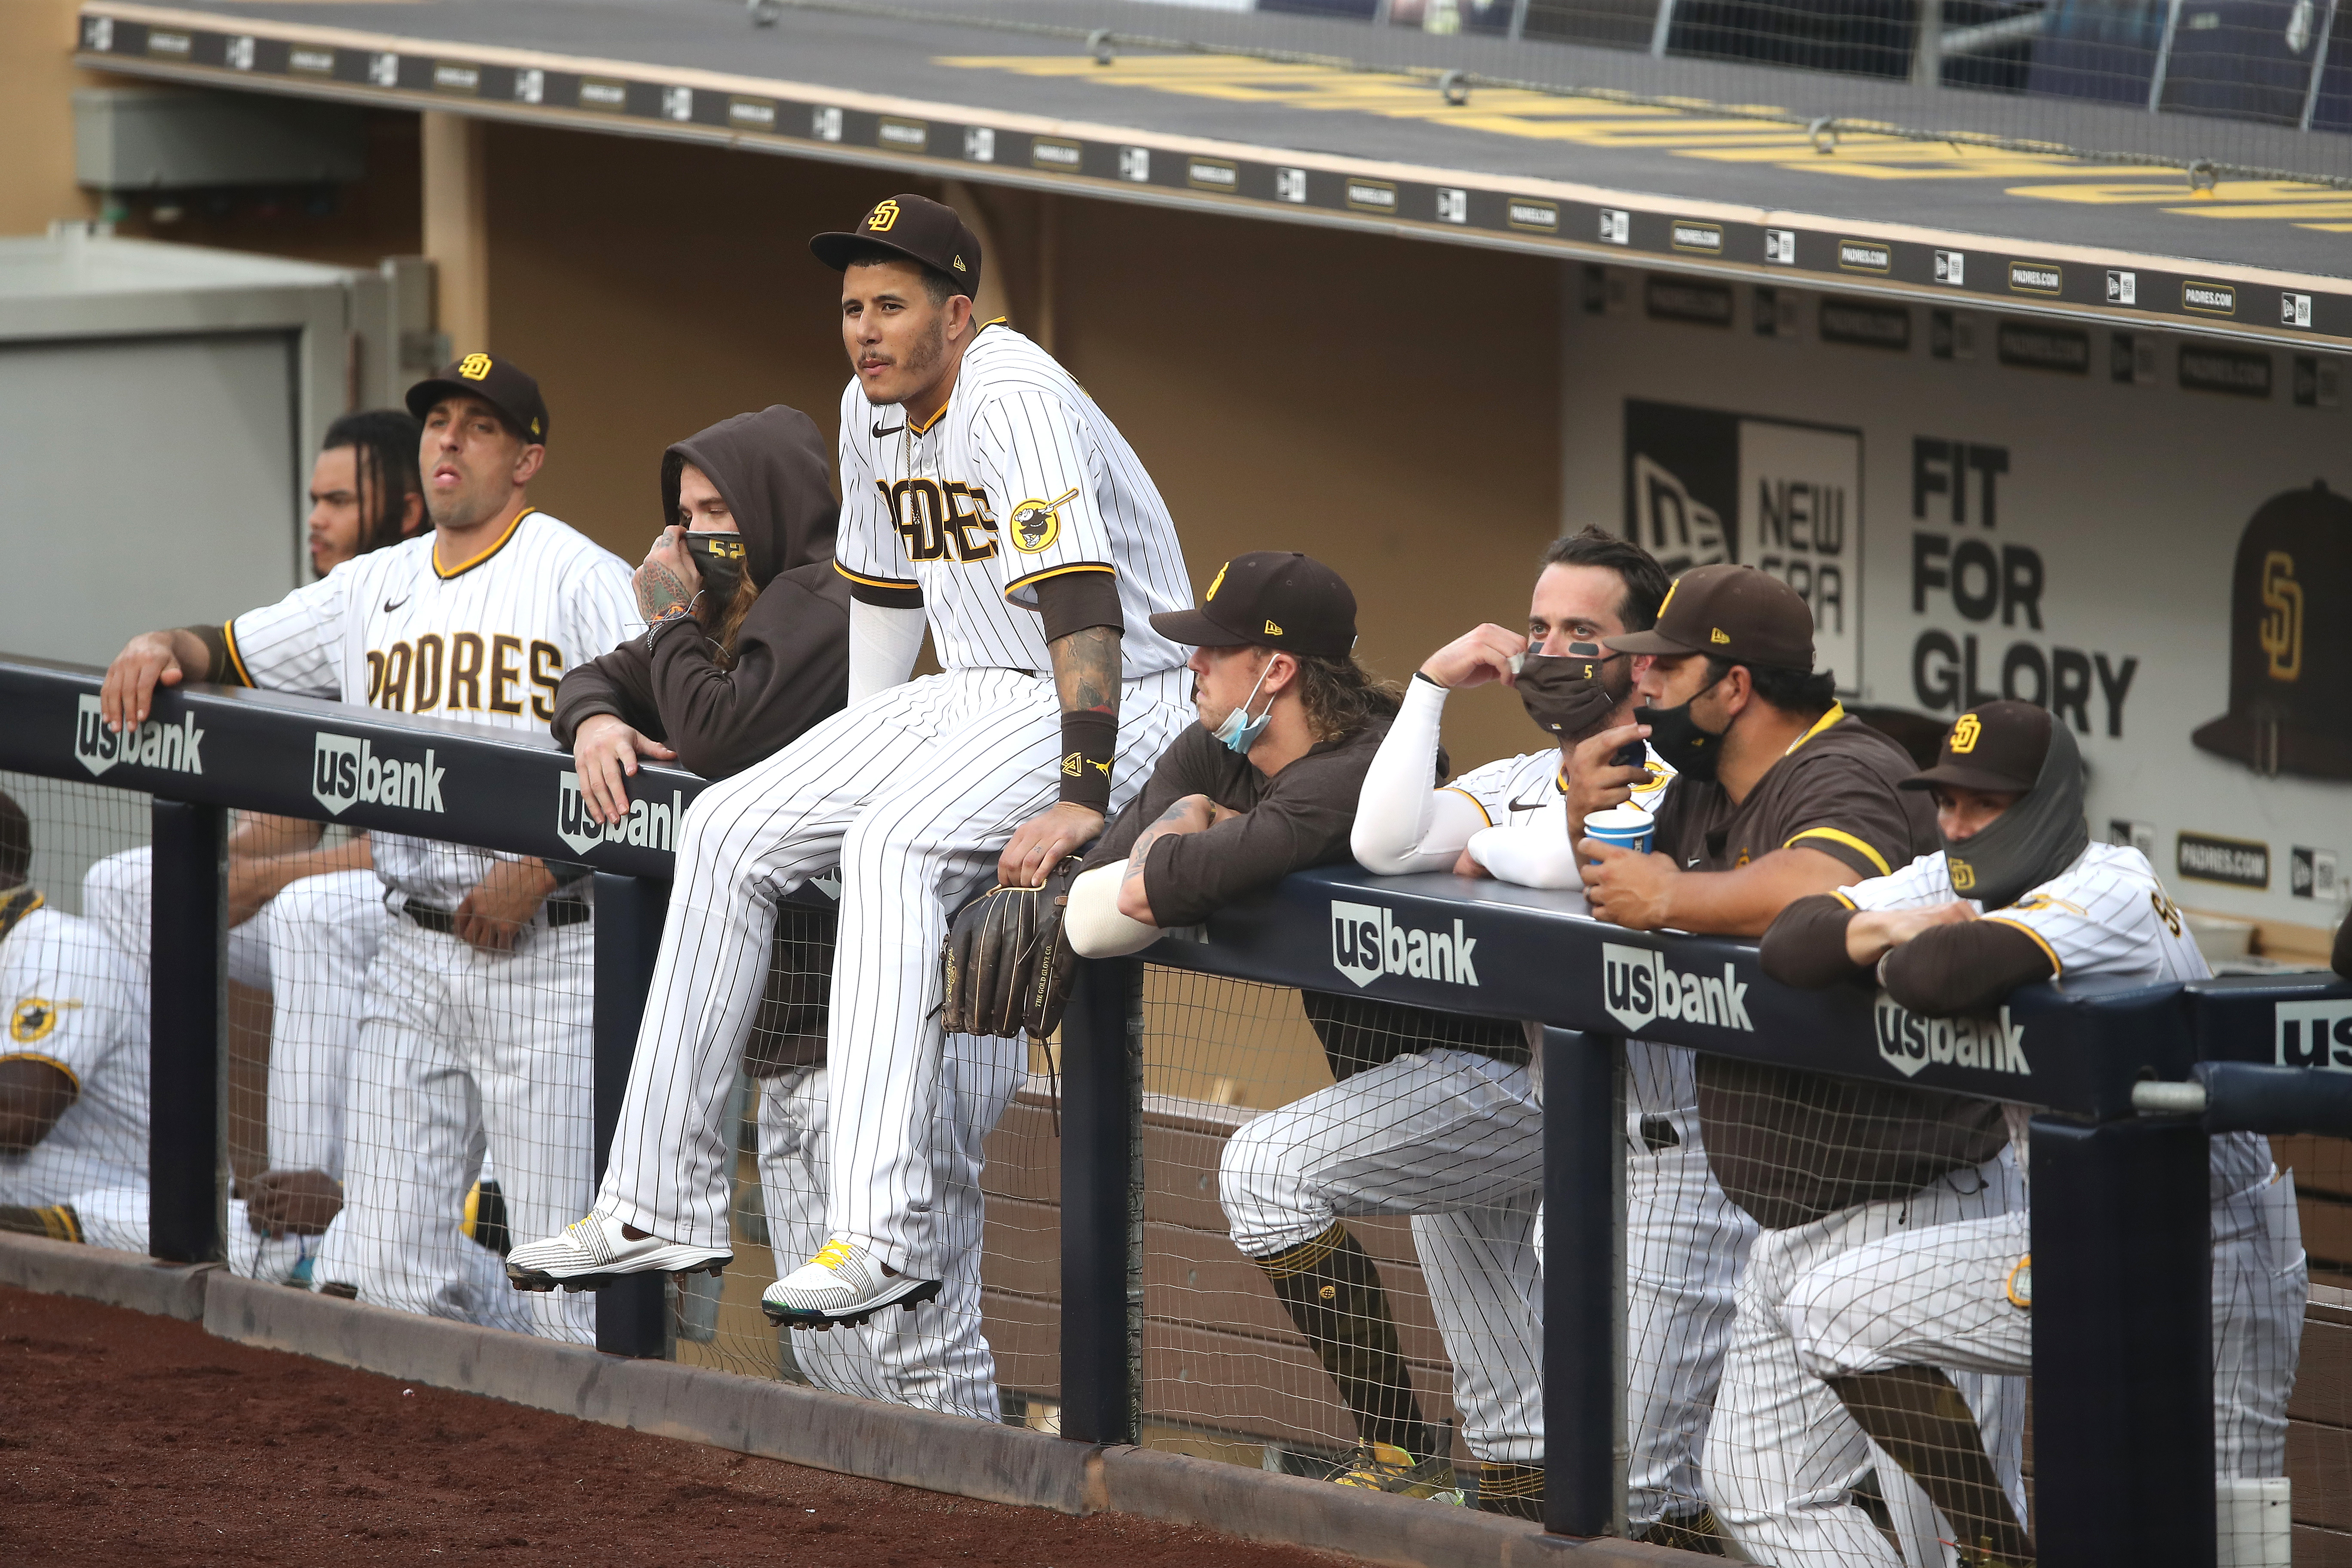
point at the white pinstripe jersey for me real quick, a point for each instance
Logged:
(1019, 478)
(2106, 914)
(72, 1002)
(486, 642)
(1515, 791)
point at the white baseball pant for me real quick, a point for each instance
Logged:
(1781, 1452)
(119, 893)
(320, 934)
(1455, 1140)
(1686, 1243)
(460, 1051)
(1939, 1298)
(935, 1358)
(912, 793)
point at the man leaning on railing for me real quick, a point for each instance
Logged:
(1778, 793)
(478, 1010)
(2017, 894)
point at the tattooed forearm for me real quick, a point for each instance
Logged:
(660, 591)
(1086, 671)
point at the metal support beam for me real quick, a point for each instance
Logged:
(1584, 1173)
(187, 1023)
(458, 226)
(632, 1316)
(2123, 1360)
(1102, 1152)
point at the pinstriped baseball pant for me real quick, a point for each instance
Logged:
(912, 793)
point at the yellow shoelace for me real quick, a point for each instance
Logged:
(833, 1255)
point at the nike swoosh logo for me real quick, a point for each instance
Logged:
(1536, 804)
(893, 430)
(391, 605)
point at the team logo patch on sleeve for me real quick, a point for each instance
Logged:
(33, 1018)
(1037, 524)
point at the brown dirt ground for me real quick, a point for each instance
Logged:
(130, 1439)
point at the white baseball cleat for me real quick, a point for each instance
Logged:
(843, 1283)
(596, 1251)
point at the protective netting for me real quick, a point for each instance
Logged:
(2319, 1416)
(989, 1346)
(2250, 85)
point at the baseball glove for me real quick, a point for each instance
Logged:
(1008, 967)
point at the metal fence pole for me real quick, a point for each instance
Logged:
(187, 1180)
(2123, 1361)
(1102, 1138)
(1584, 1159)
(633, 1316)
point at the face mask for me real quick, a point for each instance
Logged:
(1679, 742)
(1563, 694)
(719, 556)
(1240, 732)
(2033, 840)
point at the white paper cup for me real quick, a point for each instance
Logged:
(1623, 826)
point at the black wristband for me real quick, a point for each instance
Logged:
(1089, 740)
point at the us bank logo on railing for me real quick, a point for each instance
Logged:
(345, 771)
(653, 826)
(1367, 942)
(1638, 987)
(1907, 1042)
(158, 744)
(2316, 1034)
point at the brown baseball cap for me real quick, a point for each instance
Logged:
(1269, 598)
(1732, 612)
(504, 386)
(1999, 747)
(913, 227)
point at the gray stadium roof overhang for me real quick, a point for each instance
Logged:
(1582, 178)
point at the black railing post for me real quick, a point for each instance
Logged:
(1102, 1134)
(1584, 1159)
(632, 1316)
(187, 1023)
(2123, 1362)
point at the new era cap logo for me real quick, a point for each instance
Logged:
(1272, 630)
(1718, 635)
(880, 220)
(474, 367)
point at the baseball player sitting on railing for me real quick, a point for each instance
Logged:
(2017, 894)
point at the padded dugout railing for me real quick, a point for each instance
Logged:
(2123, 1438)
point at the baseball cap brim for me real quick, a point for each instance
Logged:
(836, 250)
(1960, 776)
(1194, 629)
(426, 393)
(1646, 642)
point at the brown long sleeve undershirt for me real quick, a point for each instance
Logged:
(1944, 971)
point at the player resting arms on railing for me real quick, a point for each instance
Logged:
(1777, 794)
(1264, 785)
(304, 919)
(1883, 1325)
(477, 1015)
(1417, 1086)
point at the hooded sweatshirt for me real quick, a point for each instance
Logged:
(792, 653)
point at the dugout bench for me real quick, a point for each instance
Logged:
(2124, 1469)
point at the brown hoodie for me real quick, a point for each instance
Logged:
(792, 653)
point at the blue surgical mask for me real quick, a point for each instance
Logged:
(1240, 732)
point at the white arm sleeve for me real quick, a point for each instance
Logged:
(1530, 854)
(1402, 824)
(1092, 923)
(883, 642)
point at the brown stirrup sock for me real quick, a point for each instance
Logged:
(57, 1222)
(1333, 1293)
(1919, 1419)
(1513, 1489)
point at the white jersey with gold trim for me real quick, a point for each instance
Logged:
(1019, 478)
(74, 1003)
(1515, 792)
(486, 642)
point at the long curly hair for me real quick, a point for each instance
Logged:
(1342, 696)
